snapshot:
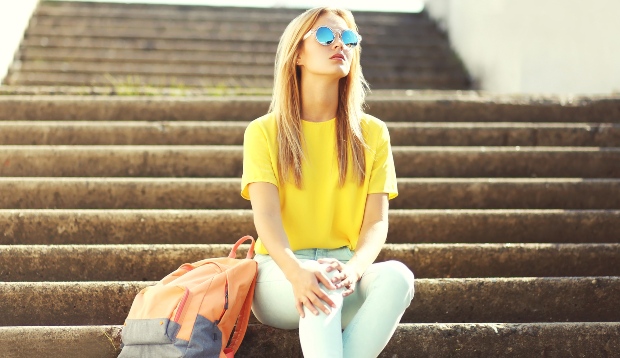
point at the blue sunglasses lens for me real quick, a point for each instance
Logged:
(349, 38)
(324, 35)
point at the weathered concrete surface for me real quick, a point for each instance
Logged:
(168, 69)
(422, 58)
(437, 51)
(25, 263)
(440, 80)
(122, 193)
(462, 340)
(226, 161)
(184, 13)
(450, 300)
(465, 341)
(122, 133)
(59, 227)
(135, 55)
(231, 133)
(198, 30)
(476, 162)
(240, 64)
(501, 226)
(129, 90)
(6, 90)
(124, 226)
(466, 107)
(123, 79)
(61, 342)
(241, 37)
(224, 193)
(128, 108)
(420, 25)
(122, 161)
(506, 193)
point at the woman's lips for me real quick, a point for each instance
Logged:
(337, 57)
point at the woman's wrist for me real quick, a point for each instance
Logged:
(287, 262)
(356, 267)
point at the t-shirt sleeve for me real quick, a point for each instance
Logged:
(383, 173)
(257, 160)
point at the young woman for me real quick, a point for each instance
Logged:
(319, 173)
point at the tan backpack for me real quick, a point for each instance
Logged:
(193, 311)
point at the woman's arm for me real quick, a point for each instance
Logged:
(372, 237)
(372, 234)
(304, 278)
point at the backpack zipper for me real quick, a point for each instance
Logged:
(177, 316)
(225, 301)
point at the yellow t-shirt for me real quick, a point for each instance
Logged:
(321, 214)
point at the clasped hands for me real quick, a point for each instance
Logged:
(306, 287)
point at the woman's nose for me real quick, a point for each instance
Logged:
(338, 42)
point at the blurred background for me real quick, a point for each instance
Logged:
(502, 46)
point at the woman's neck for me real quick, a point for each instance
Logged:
(319, 99)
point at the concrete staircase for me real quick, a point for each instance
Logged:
(511, 221)
(509, 206)
(105, 44)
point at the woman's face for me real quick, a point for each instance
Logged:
(333, 60)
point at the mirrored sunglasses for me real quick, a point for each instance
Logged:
(326, 36)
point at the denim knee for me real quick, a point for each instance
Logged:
(395, 277)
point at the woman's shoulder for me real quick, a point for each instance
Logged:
(266, 124)
(373, 125)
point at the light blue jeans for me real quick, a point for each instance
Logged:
(369, 316)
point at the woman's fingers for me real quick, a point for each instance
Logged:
(300, 308)
(310, 306)
(333, 264)
(316, 300)
(325, 280)
(348, 291)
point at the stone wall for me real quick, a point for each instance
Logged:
(14, 17)
(529, 46)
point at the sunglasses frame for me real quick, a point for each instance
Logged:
(334, 32)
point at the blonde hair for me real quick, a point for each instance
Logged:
(286, 103)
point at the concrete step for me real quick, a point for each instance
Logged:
(261, 28)
(411, 38)
(114, 227)
(134, 91)
(181, 15)
(24, 78)
(207, 13)
(223, 193)
(458, 340)
(35, 54)
(223, 66)
(447, 300)
(38, 54)
(438, 80)
(230, 68)
(231, 133)
(418, 106)
(164, 69)
(226, 161)
(436, 49)
(27, 263)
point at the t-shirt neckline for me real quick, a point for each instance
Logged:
(313, 122)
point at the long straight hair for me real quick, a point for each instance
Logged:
(286, 103)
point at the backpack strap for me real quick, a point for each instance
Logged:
(233, 252)
(242, 322)
(244, 315)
